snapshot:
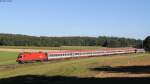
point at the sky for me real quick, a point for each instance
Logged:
(119, 18)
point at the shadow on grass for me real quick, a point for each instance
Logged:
(37, 79)
(124, 69)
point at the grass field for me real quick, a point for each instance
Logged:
(127, 65)
(86, 70)
(8, 58)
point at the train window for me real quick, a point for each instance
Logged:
(76, 53)
(85, 53)
(67, 54)
(70, 54)
(55, 55)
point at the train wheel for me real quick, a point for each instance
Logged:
(20, 62)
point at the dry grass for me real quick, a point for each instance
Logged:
(136, 66)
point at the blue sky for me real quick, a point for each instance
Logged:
(121, 18)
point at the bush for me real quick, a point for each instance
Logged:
(147, 43)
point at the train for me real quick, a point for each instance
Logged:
(25, 57)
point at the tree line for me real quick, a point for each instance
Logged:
(104, 41)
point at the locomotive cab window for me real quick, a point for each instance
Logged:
(19, 56)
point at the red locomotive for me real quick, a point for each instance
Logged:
(34, 56)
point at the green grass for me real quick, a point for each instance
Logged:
(8, 57)
(54, 48)
(73, 67)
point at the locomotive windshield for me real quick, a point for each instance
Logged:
(19, 56)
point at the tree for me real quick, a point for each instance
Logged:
(147, 43)
(105, 41)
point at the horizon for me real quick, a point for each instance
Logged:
(93, 18)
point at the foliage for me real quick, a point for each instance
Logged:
(117, 42)
(147, 43)
(24, 40)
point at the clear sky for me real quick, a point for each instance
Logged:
(122, 18)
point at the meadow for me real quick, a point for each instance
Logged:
(85, 67)
(8, 57)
